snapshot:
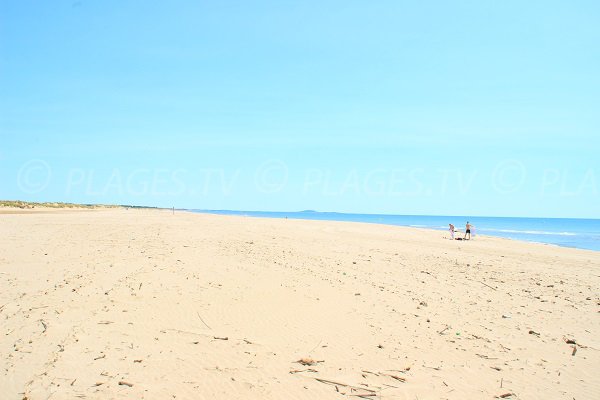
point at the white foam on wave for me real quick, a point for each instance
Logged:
(530, 232)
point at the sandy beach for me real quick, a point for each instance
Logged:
(143, 304)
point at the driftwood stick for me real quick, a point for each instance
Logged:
(295, 371)
(313, 349)
(188, 332)
(444, 330)
(203, 321)
(505, 395)
(396, 377)
(334, 383)
(485, 284)
(399, 370)
(370, 372)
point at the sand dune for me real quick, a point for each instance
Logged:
(142, 304)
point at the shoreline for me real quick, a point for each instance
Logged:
(227, 213)
(7, 210)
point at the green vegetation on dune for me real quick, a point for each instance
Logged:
(27, 204)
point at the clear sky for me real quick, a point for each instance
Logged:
(402, 107)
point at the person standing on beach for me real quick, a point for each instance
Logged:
(467, 231)
(451, 231)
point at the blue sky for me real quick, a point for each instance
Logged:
(461, 108)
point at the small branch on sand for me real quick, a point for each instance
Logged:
(100, 357)
(399, 370)
(220, 338)
(369, 372)
(44, 325)
(485, 284)
(484, 356)
(574, 350)
(123, 383)
(295, 371)
(396, 377)
(105, 322)
(481, 338)
(505, 395)
(188, 332)
(308, 361)
(428, 273)
(328, 382)
(203, 320)
(318, 344)
(574, 342)
(445, 329)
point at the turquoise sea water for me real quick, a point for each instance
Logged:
(567, 232)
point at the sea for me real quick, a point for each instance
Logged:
(566, 232)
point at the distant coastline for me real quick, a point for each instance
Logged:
(60, 205)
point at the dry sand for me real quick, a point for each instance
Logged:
(141, 304)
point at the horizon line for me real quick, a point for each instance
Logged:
(41, 203)
(382, 214)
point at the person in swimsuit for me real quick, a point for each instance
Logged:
(467, 231)
(451, 231)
